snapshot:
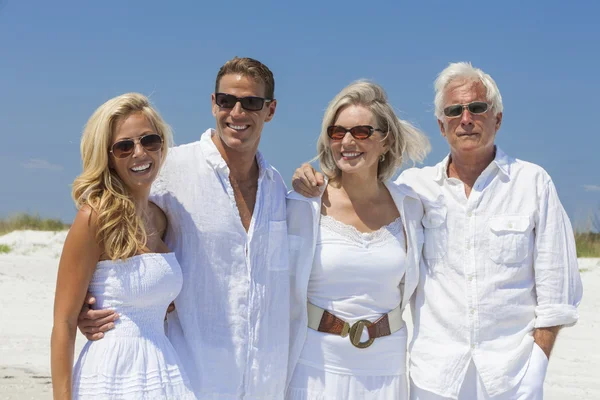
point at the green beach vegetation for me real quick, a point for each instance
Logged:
(34, 222)
(588, 244)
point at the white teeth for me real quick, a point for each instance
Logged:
(351, 154)
(238, 127)
(139, 168)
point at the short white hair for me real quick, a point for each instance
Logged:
(464, 71)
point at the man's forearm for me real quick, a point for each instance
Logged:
(545, 338)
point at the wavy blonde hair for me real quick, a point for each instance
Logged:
(404, 140)
(121, 232)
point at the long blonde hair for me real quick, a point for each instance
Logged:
(121, 232)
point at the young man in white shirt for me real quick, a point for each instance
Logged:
(499, 273)
(226, 210)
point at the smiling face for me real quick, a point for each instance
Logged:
(138, 170)
(469, 134)
(238, 129)
(358, 156)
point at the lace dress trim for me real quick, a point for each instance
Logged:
(393, 230)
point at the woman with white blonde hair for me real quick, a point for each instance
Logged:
(115, 248)
(354, 255)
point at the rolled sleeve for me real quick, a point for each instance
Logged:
(557, 280)
(555, 315)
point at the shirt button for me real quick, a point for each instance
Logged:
(473, 346)
(470, 278)
(469, 214)
(510, 225)
(472, 311)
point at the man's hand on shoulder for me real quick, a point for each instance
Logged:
(307, 181)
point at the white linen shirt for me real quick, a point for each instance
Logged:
(303, 216)
(230, 327)
(496, 265)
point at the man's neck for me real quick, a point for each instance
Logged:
(467, 168)
(243, 176)
(242, 170)
(243, 166)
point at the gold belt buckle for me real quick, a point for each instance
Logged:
(356, 332)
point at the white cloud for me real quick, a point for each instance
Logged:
(35, 163)
(592, 188)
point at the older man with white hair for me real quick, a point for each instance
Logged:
(499, 273)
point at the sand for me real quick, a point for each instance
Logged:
(27, 283)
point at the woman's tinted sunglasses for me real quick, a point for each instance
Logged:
(360, 132)
(124, 148)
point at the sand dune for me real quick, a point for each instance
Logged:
(27, 284)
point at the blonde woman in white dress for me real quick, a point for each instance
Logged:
(354, 255)
(115, 248)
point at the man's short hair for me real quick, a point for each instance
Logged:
(252, 69)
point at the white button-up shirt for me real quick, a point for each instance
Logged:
(495, 266)
(231, 324)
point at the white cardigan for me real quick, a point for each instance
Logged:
(303, 216)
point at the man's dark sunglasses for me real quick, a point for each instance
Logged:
(360, 132)
(476, 107)
(124, 148)
(250, 103)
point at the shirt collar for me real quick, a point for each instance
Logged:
(442, 170)
(263, 166)
(501, 160)
(215, 160)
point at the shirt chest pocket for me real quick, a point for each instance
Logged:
(435, 233)
(509, 238)
(278, 256)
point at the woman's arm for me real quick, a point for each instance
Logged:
(77, 264)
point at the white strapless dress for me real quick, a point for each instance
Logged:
(135, 360)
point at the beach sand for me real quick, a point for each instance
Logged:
(27, 284)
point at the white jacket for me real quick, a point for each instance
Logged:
(303, 215)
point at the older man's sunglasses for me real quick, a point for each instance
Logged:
(250, 103)
(360, 132)
(124, 148)
(456, 110)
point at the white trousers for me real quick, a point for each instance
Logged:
(531, 386)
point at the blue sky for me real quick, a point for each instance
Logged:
(60, 60)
